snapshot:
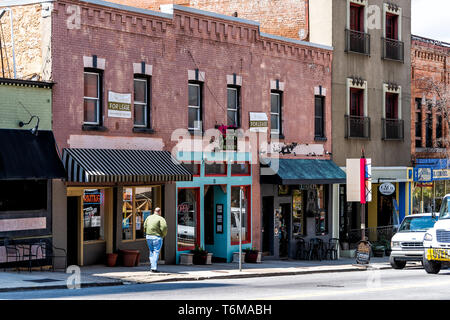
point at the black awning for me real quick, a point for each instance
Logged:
(123, 166)
(303, 171)
(24, 155)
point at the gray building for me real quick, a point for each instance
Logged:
(371, 99)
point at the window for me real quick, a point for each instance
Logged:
(298, 213)
(142, 102)
(195, 106)
(192, 167)
(188, 218)
(240, 169)
(215, 169)
(93, 214)
(357, 102)
(233, 112)
(319, 117)
(235, 213)
(356, 17)
(439, 140)
(429, 127)
(138, 204)
(418, 123)
(23, 195)
(275, 112)
(391, 105)
(391, 26)
(92, 97)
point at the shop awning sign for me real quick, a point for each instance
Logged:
(119, 105)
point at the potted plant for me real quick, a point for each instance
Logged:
(252, 255)
(200, 255)
(111, 259)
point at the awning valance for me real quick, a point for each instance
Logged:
(122, 166)
(303, 171)
(24, 155)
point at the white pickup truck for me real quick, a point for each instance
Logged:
(436, 241)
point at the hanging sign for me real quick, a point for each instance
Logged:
(386, 188)
(119, 105)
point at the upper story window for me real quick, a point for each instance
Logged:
(142, 102)
(392, 123)
(275, 112)
(357, 122)
(195, 106)
(357, 102)
(233, 107)
(392, 45)
(92, 97)
(356, 17)
(357, 39)
(391, 105)
(418, 123)
(319, 117)
(391, 26)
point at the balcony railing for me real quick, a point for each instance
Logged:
(392, 129)
(357, 127)
(356, 41)
(392, 49)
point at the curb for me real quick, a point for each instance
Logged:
(60, 286)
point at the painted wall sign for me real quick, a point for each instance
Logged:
(119, 105)
(386, 188)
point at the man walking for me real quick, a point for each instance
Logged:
(155, 228)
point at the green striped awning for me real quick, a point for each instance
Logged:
(122, 166)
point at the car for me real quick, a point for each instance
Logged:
(407, 243)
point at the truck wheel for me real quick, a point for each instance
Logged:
(431, 266)
(397, 264)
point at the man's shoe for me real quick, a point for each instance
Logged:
(155, 271)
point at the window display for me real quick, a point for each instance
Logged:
(93, 214)
(235, 208)
(298, 213)
(187, 215)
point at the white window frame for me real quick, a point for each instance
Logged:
(236, 110)
(196, 107)
(356, 86)
(97, 99)
(275, 131)
(140, 103)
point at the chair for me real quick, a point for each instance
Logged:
(33, 255)
(12, 251)
(315, 249)
(332, 249)
(301, 253)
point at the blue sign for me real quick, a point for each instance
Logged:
(424, 174)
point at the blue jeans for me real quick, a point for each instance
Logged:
(154, 246)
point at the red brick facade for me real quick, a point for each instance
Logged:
(429, 60)
(172, 45)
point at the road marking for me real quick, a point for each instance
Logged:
(354, 291)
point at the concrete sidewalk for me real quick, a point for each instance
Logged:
(101, 275)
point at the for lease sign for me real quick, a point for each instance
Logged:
(119, 105)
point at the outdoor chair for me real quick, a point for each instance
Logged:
(12, 251)
(302, 252)
(332, 250)
(315, 249)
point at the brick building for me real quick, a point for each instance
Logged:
(429, 124)
(127, 78)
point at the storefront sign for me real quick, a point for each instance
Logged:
(423, 174)
(363, 252)
(119, 105)
(386, 188)
(258, 122)
(441, 174)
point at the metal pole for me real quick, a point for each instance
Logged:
(240, 229)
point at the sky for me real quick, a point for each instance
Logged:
(431, 19)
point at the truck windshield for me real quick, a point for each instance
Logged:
(445, 209)
(411, 224)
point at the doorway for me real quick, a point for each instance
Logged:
(285, 228)
(73, 210)
(209, 215)
(385, 210)
(268, 226)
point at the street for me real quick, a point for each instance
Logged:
(412, 283)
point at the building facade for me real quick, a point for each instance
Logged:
(429, 121)
(133, 87)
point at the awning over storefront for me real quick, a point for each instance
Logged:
(303, 171)
(24, 155)
(113, 165)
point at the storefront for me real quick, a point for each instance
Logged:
(109, 195)
(208, 208)
(431, 184)
(298, 203)
(30, 172)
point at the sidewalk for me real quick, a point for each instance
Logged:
(101, 275)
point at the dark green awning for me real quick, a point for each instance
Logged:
(302, 171)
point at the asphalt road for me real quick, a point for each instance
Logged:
(412, 283)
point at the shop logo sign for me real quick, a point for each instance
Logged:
(387, 188)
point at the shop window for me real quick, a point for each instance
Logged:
(235, 213)
(138, 204)
(23, 195)
(215, 169)
(298, 213)
(92, 97)
(321, 214)
(142, 102)
(93, 214)
(233, 112)
(194, 168)
(241, 169)
(188, 216)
